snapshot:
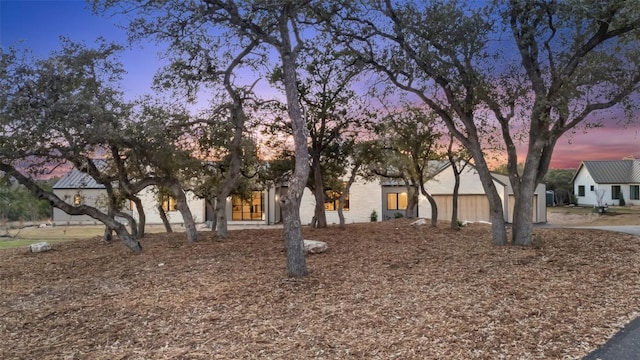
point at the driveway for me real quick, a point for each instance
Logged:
(627, 229)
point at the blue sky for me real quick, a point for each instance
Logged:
(38, 25)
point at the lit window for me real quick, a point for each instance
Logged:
(251, 209)
(332, 201)
(397, 201)
(169, 203)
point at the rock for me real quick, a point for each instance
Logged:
(40, 247)
(42, 226)
(419, 222)
(315, 247)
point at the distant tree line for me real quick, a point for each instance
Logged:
(19, 204)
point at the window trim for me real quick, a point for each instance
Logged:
(617, 191)
(397, 202)
(634, 190)
(581, 190)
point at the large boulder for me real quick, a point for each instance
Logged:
(315, 247)
(40, 247)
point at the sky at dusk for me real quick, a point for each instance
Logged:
(37, 25)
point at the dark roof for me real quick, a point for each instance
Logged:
(76, 179)
(613, 171)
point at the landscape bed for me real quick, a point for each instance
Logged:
(383, 291)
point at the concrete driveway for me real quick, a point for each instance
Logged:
(627, 229)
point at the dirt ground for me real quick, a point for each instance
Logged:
(384, 291)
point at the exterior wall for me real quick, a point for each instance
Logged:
(89, 197)
(364, 198)
(583, 178)
(471, 190)
(149, 201)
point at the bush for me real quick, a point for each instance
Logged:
(621, 201)
(374, 216)
(398, 215)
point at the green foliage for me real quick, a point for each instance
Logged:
(559, 180)
(17, 203)
(398, 215)
(374, 216)
(621, 202)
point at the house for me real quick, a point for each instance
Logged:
(386, 198)
(473, 204)
(606, 182)
(77, 188)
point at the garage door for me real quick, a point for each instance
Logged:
(470, 207)
(512, 201)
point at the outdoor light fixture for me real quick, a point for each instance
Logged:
(77, 199)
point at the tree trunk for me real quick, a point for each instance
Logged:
(142, 217)
(296, 264)
(214, 216)
(318, 192)
(454, 199)
(131, 221)
(434, 206)
(412, 202)
(222, 230)
(165, 220)
(108, 234)
(183, 208)
(522, 227)
(498, 229)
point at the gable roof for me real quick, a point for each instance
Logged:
(612, 171)
(76, 179)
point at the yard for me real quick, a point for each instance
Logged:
(384, 290)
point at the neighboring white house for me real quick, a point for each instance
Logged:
(604, 182)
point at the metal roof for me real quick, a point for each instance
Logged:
(76, 179)
(614, 171)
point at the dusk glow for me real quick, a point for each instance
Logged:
(37, 25)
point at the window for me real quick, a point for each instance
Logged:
(247, 209)
(169, 203)
(580, 190)
(591, 188)
(397, 201)
(331, 201)
(615, 192)
(634, 192)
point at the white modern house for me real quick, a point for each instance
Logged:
(605, 182)
(386, 198)
(473, 204)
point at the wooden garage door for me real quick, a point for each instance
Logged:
(470, 207)
(512, 201)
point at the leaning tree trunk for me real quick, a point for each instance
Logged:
(433, 204)
(498, 229)
(183, 208)
(165, 220)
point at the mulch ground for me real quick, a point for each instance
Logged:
(383, 291)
